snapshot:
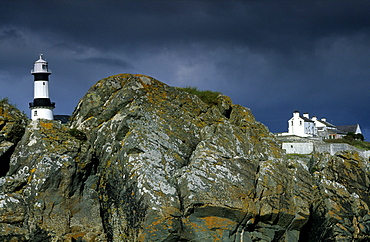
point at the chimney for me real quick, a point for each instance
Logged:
(314, 118)
(306, 115)
(323, 119)
(295, 114)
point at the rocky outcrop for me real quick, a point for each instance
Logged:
(50, 188)
(12, 126)
(143, 161)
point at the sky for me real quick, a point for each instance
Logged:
(273, 57)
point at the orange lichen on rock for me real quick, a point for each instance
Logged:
(155, 228)
(217, 222)
(46, 125)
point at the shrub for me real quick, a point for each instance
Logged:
(353, 136)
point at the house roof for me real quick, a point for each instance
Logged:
(348, 128)
(335, 131)
(327, 124)
(306, 119)
(62, 118)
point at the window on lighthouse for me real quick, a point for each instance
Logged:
(43, 83)
(35, 113)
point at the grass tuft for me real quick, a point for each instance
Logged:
(206, 96)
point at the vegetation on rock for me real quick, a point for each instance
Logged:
(206, 96)
(353, 136)
(349, 139)
(4, 100)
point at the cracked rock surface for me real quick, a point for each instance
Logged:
(159, 164)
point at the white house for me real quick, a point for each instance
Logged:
(304, 126)
(301, 125)
(325, 129)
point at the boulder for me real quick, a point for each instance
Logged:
(143, 161)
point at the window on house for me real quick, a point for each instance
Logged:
(300, 122)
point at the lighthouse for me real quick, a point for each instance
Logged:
(41, 107)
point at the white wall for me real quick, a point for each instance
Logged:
(41, 89)
(298, 127)
(307, 148)
(358, 130)
(42, 113)
(298, 148)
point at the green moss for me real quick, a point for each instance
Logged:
(294, 156)
(206, 96)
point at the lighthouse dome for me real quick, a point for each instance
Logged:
(41, 66)
(41, 60)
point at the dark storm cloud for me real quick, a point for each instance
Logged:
(105, 62)
(277, 26)
(271, 56)
(10, 34)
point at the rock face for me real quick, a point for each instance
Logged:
(143, 161)
(12, 126)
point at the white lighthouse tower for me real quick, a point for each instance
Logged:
(41, 107)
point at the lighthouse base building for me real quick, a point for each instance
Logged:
(38, 112)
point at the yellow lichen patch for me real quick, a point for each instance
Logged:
(194, 226)
(276, 150)
(29, 178)
(74, 236)
(5, 114)
(140, 75)
(217, 222)
(46, 125)
(89, 118)
(171, 210)
(160, 224)
(334, 212)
